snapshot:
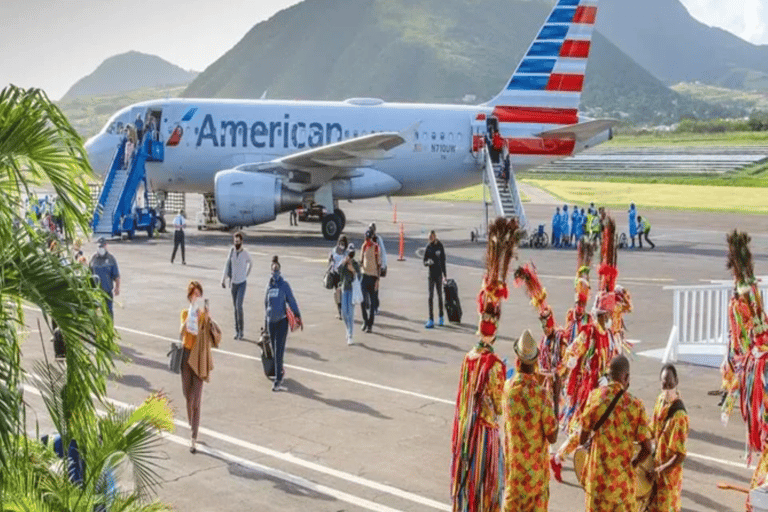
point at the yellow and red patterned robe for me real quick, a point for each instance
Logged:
(609, 479)
(529, 419)
(670, 438)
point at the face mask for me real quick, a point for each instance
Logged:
(102, 251)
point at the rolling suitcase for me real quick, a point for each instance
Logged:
(267, 358)
(452, 303)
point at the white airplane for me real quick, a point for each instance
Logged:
(258, 158)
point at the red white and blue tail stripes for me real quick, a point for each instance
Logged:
(551, 75)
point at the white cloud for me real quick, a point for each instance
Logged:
(747, 19)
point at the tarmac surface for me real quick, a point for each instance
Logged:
(368, 427)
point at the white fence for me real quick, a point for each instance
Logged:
(699, 333)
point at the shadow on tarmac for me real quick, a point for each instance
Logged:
(715, 439)
(296, 388)
(405, 355)
(309, 354)
(705, 502)
(281, 485)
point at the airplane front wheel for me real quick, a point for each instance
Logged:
(342, 218)
(331, 226)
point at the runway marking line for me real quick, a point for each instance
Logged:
(291, 459)
(381, 387)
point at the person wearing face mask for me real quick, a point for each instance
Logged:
(349, 270)
(198, 335)
(276, 298)
(669, 429)
(236, 269)
(609, 480)
(335, 259)
(104, 266)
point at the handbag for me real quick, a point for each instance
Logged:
(174, 357)
(330, 279)
(357, 291)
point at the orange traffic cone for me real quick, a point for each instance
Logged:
(402, 243)
(394, 214)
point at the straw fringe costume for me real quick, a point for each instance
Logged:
(588, 355)
(744, 370)
(476, 467)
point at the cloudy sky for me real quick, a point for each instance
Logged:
(53, 43)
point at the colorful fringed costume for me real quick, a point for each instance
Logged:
(588, 355)
(744, 370)
(476, 474)
(577, 316)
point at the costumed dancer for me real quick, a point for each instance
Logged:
(577, 316)
(552, 345)
(588, 355)
(744, 370)
(476, 467)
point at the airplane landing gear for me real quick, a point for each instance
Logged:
(331, 226)
(342, 218)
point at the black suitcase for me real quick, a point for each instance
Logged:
(452, 302)
(267, 358)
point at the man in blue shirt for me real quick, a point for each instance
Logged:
(564, 226)
(573, 238)
(104, 266)
(556, 228)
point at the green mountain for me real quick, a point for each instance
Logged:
(422, 51)
(129, 72)
(667, 41)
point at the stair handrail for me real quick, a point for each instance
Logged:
(515, 193)
(492, 185)
(109, 178)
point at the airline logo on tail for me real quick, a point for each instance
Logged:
(552, 72)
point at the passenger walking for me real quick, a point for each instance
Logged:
(644, 229)
(669, 429)
(434, 259)
(349, 271)
(104, 266)
(632, 223)
(236, 269)
(198, 335)
(609, 480)
(336, 257)
(139, 128)
(277, 299)
(556, 228)
(179, 225)
(530, 426)
(383, 272)
(371, 265)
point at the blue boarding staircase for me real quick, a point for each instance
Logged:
(115, 213)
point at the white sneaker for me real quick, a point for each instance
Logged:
(349, 340)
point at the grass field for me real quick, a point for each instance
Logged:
(657, 196)
(688, 139)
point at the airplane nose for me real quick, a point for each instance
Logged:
(101, 149)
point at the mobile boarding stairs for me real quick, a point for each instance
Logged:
(504, 195)
(115, 214)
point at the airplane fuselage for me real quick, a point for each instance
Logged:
(222, 134)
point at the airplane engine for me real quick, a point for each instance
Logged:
(247, 198)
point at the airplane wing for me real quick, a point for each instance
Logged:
(580, 131)
(347, 154)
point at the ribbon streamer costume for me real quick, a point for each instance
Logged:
(476, 467)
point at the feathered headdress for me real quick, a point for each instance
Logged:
(605, 301)
(525, 275)
(740, 259)
(503, 236)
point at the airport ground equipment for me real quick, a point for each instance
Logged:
(115, 212)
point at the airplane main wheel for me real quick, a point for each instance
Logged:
(331, 227)
(161, 224)
(342, 218)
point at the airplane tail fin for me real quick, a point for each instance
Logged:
(551, 75)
